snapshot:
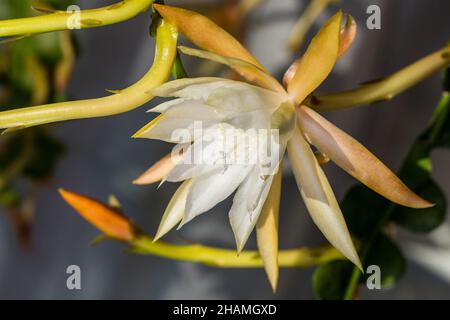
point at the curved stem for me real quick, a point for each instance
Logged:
(115, 225)
(61, 20)
(122, 101)
(216, 257)
(386, 88)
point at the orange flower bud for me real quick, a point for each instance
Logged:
(106, 219)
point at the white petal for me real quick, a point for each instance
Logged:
(166, 130)
(209, 190)
(221, 93)
(250, 120)
(249, 71)
(188, 171)
(242, 97)
(246, 209)
(175, 130)
(197, 88)
(319, 197)
(193, 109)
(201, 157)
(174, 211)
(163, 107)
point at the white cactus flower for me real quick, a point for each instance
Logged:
(232, 140)
(222, 104)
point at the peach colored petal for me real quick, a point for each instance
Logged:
(267, 230)
(354, 158)
(209, 36)
(348, 35)
(318, 60)
(160, 169)
(319, 197)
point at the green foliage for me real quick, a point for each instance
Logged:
(367, 213)
(29, 66)
(178, 71)
(47, 152)
(43, 49)
(363, 214)
(36, 149)
(330, 279)
(385, 254)
(9, 196)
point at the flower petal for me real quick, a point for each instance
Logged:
(193, 109)
(183, 171)
(200, 88)
(238, 65)
(223, 94)
(209, 36)
(354, 158)
(161, 168)
(318, 61)
(201, 157)
(207, 191)
(241, 97)
(267, 230)
(167, 130)
(319, 197)
(243, 218)
(174, 130)
(348, 35)
(175, 210)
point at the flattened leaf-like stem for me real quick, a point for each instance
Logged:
(61, 20)
(304, 257)
(386, 88)
(118, 227)
(122, 101)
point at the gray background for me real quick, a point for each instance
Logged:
(102, 159)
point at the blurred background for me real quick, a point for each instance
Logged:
(101, 159)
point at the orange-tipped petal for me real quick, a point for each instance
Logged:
(290, 73)
(348, 35)
(209, 36)
(319, 197)
(354, 158)
(267, 231)
(318, 61)
(250, 72)
(106, 219)
(160, 169)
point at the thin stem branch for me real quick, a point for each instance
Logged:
(61, 20)
(122, 101)
(386, 88)
(225, 258)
